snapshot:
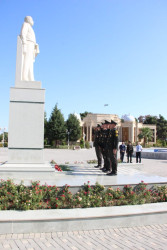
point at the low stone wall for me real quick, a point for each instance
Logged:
(154, 155)
(59, 220)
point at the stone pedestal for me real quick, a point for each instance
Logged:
(26, 123)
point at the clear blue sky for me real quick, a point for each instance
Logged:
(92, 52)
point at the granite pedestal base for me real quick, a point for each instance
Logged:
(26, 156)
(26, 123)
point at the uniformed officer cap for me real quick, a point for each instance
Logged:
(98, 125)
(107, 122)
(112, 122)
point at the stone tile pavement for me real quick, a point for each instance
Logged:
(150, 171)
(151, 166)
(145, 237)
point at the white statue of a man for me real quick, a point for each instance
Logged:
(30, 49)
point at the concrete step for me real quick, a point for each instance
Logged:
(20, 168)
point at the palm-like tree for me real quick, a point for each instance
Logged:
(145, 134)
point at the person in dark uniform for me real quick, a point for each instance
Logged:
(129, 152)
(97, 132)
(100, 140)
(106, 130)
(103, 141)
(112, 149)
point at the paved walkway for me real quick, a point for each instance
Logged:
(146, 237)
(150, 171)
(151, 166)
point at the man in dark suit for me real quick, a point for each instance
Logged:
(122, 149)
(129, 152)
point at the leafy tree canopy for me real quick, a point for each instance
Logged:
(73, 127)
(160, 122)
(150, 119)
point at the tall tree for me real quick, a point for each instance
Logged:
(73, 127)
(161, 124)
(146, 134)
(150, 119)
(141, 118)
(4, 136)
(56, 128)
(161, 128)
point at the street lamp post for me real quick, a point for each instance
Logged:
(68, 139)
(68, 134)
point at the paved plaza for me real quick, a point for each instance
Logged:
(156, 167)
(150, 171)
(143, 237)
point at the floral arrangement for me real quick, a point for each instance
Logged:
(36, 196)
(58, 168)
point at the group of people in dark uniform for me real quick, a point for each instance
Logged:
(106, 145)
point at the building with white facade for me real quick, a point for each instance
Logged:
(128, 127)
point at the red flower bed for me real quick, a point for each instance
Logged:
(58, 168)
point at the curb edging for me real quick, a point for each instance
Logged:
(59, 220)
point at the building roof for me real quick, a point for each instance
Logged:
(128, 118)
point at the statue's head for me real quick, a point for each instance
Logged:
(28, 19)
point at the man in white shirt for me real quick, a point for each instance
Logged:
(138, 152)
